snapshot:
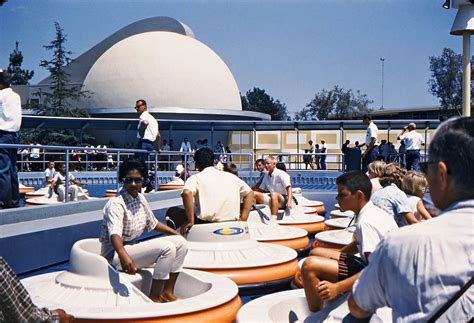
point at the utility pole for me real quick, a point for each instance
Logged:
(383, 76)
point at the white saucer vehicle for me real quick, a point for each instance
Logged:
(291, 306)
(334, 239)
(334, 214)
(46, 192)
(317, 206)
(45, 200)
(338, 223)
(227, 249)
(265, 229)
(297, 217)
(93, 290)
(175, 184)
(25, 189)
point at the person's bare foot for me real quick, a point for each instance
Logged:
(168, 297)
(156, 299)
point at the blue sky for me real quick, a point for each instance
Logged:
(290, 48)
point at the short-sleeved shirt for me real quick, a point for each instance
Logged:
(277, 181)
(217, 194)
(151, 131)
(127, 217)
(372, 132)
(415, 270)
(60, 179)
(50, 173)
(10, 110)
(413, 140)
(393, 201)
(372, 224)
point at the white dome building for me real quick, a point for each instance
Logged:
(159, 60)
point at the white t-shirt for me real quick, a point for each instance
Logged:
(416, 269)
(413, 140)
(372, 132)
(185, 147)
(60, 179)
(151, 131)
(35, 153)
(323, 147)
(277, 181)
(372, 223)
(217, 194)
(10, 110)
(413, 202)
(50, 173)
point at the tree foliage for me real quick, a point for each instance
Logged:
(336, 103)
(62, 97)
(446, 79)
(259, 101)
(18, 75)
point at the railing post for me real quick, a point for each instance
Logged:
(156, 171)
(66, 198)
(118, 174)
(185, 166)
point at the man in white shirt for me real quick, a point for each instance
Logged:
(418, 269)
(324, 150)
(215, 194)
(185, 148)
(328, 273)
(371, 152)
(278, 183)
(413, 142)
(148, 132)
(10, 122)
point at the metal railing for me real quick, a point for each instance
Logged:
(295, 161)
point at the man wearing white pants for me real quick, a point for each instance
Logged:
(73, 190)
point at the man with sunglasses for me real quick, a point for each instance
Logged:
(420, 268)
(148, 132)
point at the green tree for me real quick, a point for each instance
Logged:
(446, 80)
(19, 76)
(61, 99)
(259, 101)
(336, 103)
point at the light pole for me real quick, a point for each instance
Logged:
(383, 70)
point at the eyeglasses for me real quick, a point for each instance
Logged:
(138, 106)
(130, 180)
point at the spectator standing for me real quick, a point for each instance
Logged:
(401, 153)
(165, 148)
(148, 132)
(34, 156)
(309, 158)
(413, 141)
(357, 145)
(324, 150)
(185, 148)
(418, 269)
(371, 151)
(228, 154)
(317, 157)
(10, 122)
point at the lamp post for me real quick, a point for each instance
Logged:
(463, 25)
(383, 76)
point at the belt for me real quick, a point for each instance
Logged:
(413, 150)
(146, 140)
(3, 132)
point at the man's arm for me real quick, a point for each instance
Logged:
(158, 141)
(141, 129)
(370, 146)
(350, 249)
(247, 205)
(401, 135)
(329, 291)
(289, 193)
(188, 202)
(410, 217)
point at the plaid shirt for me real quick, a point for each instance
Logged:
(15, 302)
(126, 217)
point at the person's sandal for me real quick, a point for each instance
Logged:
(163, 299)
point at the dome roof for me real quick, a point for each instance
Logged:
(166, 69)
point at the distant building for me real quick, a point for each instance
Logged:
(157, 59)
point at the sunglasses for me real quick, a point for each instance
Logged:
(130, 180)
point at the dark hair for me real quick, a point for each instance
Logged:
(366, 116)
(5, 79)
(356, 181)
(453, 143)
(232, 168)
(204, 157)
(142, 101)
(260, 160)
(281, 166)
(131, 164)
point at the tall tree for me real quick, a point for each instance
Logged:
(336, 103)
(259, 101)
(446, 80)
(18, 75)
(61, 99)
